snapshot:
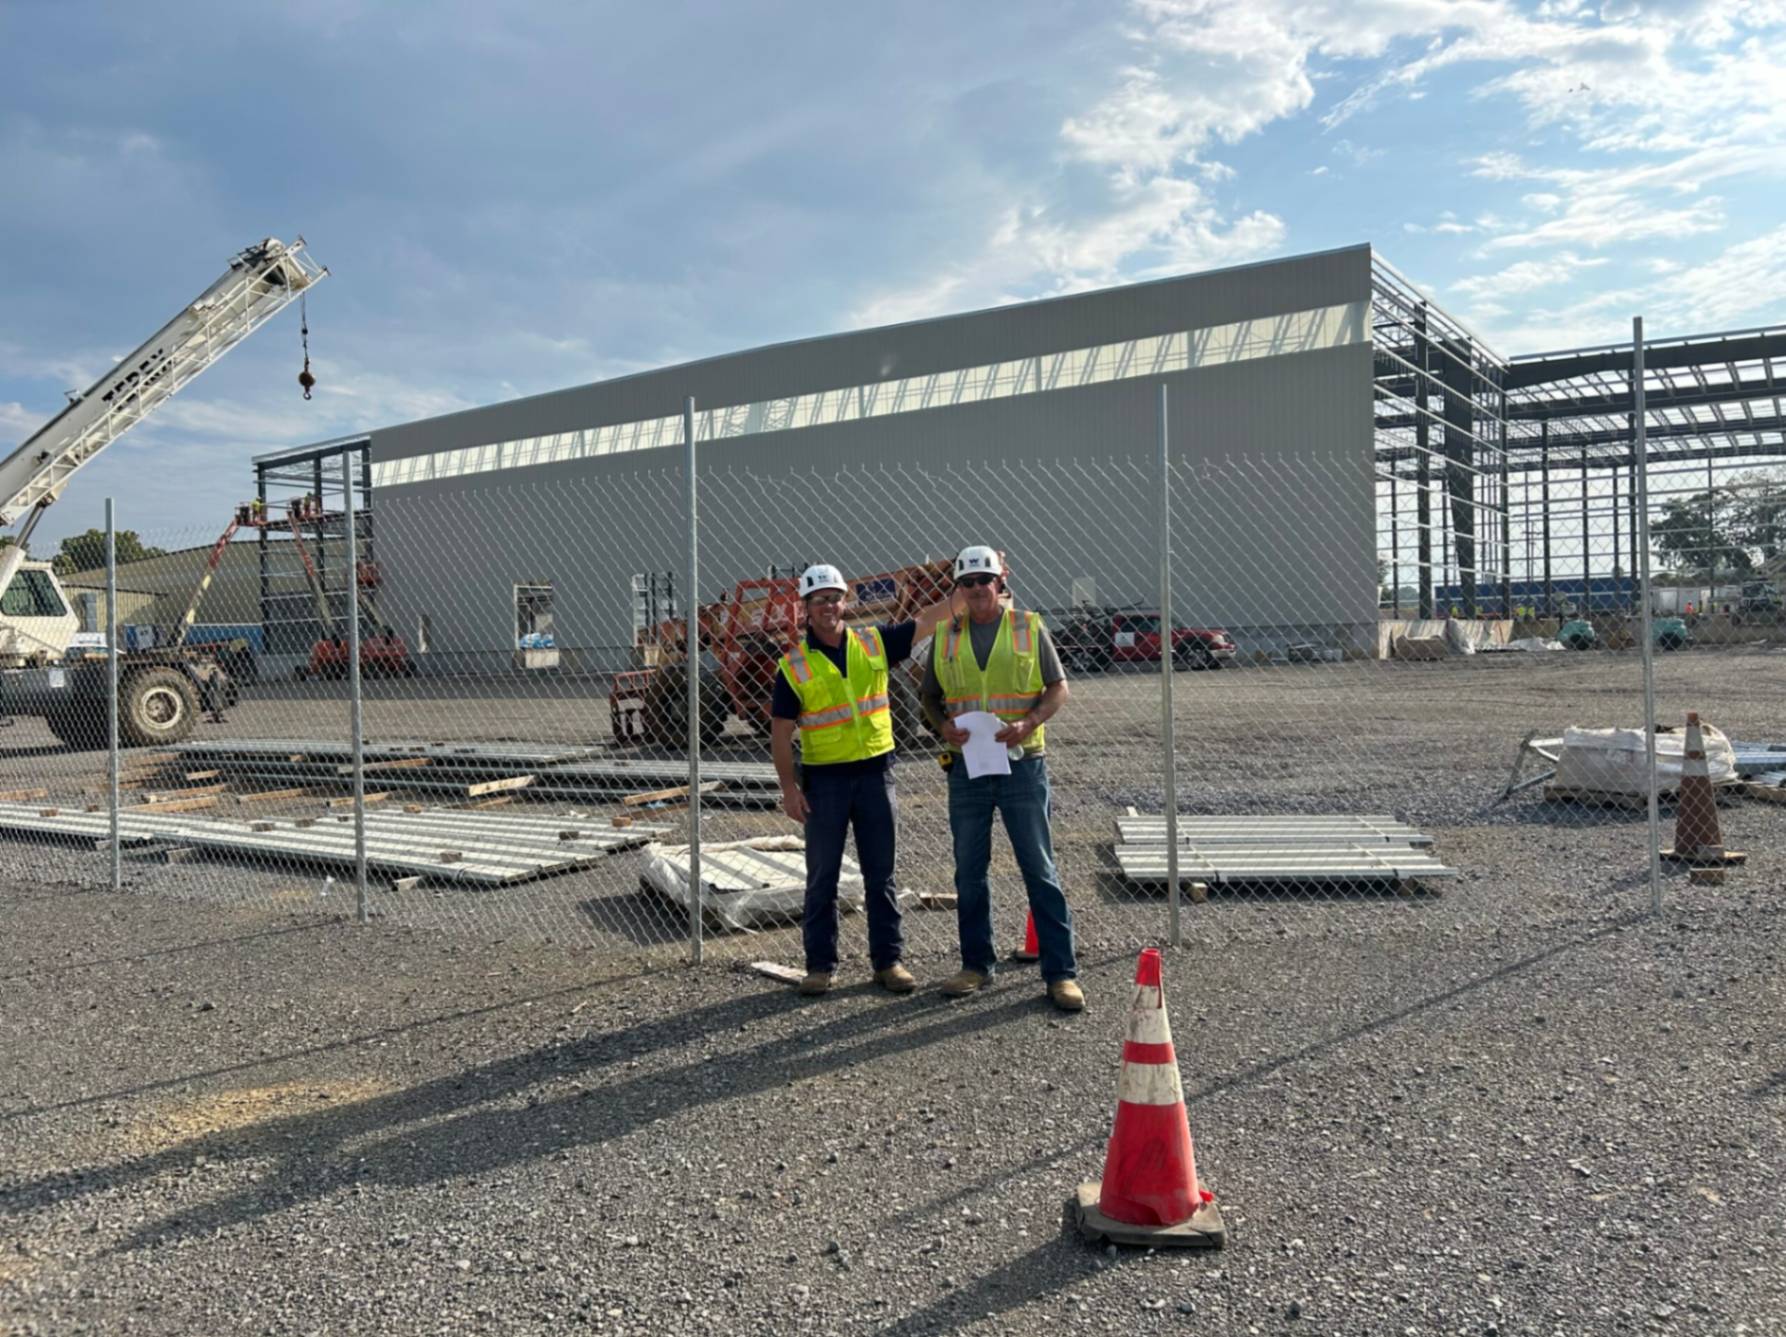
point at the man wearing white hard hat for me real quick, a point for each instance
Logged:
(1001, 660)
(831, 690)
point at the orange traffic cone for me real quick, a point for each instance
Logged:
(1031, 949)
(1698, 836)
(1150, 1194)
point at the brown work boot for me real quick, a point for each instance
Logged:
(816, 983)
(1067, 995)
(962, 983)
(896, 979)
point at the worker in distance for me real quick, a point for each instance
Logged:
(831, 689)
(998, 658)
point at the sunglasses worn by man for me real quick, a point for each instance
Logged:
(974, 582)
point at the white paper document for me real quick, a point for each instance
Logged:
(982, 755)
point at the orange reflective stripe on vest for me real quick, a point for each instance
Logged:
(1020, 641)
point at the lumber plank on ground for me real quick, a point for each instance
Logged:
(501, 800)
(182, 804)
(499, 786)
(193, 777)
(271, 795)
(347, 802)
(160, 796)
(22, 795)
(665, 795)
(401, 764)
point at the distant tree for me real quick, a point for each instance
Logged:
(86, 552)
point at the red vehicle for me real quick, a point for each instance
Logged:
(1097, 640)
(742, 639)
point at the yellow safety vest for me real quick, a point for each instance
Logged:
(842, 719)
(1011, 683)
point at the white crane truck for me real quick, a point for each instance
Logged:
(160, 692)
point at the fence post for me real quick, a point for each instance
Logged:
(356, 716)
(113, 628)
(692, 669)
(1641, 467)
(1168, 733)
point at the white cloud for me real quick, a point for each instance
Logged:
(1525, 276)
(1685, 91)
(18, 422)
(1741, 285)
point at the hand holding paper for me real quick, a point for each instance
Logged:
(983, 753)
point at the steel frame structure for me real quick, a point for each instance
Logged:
(1441, 410)
(286, 598)
(1465, 427)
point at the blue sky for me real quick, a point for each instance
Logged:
(515, 198)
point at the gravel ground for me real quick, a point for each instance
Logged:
(1427, 743)
(265, 1124)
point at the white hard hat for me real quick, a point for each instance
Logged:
(977, 558)
(821, 577)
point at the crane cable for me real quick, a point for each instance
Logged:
(305, 379)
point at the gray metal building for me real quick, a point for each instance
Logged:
(1031, 426)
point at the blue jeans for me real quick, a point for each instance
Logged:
(1021, 798)
(835, 804)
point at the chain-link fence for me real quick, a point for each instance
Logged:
(519, 659)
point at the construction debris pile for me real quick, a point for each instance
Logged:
(747, 883)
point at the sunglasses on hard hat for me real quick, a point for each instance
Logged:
(970, 582)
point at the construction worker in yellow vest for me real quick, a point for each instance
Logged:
(1000, 661)
(831, 688)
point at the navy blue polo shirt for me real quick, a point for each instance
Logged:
(896, 639)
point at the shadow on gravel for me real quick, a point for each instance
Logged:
(378, 1036)
(1771, 1087)
(485, 1119)
(1260, 1071)
(63, 968)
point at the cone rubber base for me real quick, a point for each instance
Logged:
(1021, 955)
(1203, 1231)
(1724, 860)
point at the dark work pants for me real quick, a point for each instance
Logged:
(1023, 799)
(836, 804)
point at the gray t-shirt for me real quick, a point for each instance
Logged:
(982, 636)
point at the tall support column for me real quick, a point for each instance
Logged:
(1640, 466)
(1423, 495)
(692, 659)
(1587, 538)
(1395, 540)
(1458, 375)
(114, 643)
(1544, 518)
(1168, 728)
(356, 716)
(1618, 556)
(1506, 519)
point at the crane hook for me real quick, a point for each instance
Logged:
(305, 379)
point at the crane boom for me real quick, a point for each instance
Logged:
(260, 282)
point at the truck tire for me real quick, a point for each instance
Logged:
(666, 708)
(1192, 655)
(156, 706)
